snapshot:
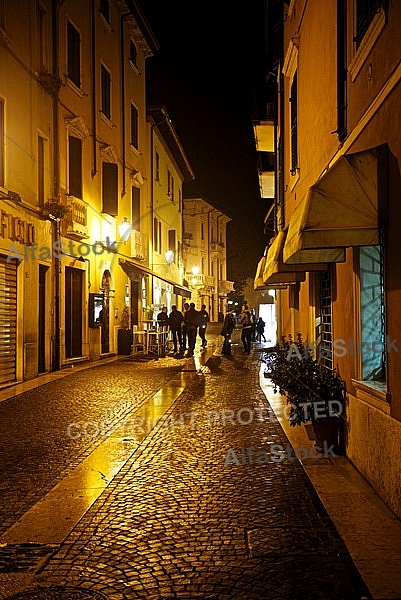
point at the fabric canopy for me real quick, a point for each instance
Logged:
(339, 211)
(136, 272)
(258, 281)
(277, 272)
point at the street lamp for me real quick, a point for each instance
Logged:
(169, 254)
(195, 270)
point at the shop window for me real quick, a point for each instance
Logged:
(372, 346)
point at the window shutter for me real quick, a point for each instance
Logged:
(75, 166)
(110, 189)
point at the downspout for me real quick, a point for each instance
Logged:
(123, 134)
(94, 120)
(56, 363)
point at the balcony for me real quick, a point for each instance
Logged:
(76, 219)
(200, 280)
(225, 287)
(139, 246)
(217, 248)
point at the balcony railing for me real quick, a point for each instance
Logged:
(200, 280)
(225, 287)
(76, 220)
(139, 246)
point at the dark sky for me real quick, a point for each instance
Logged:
(205, 74)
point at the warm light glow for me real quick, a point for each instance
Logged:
(169, 256)
(272, 293)
(195, 270)
(124, 229)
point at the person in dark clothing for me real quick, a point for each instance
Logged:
(203, 321)
(162, 317)
(260, 330)
(228, 328)
(184, 332)
(191, 320)
(246, 334)
(175, 322)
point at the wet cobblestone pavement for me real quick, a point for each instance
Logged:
(179, 520)
(35, 448)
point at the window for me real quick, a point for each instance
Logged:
(41, 30)
(179, 201)
(365, 12)
(110, 188)
(2, 152)
(172, 189)
(73, 54)
(157, 166)
(134, 126)
(324, 321)
(202, 231)
(2, 11)
(168, 183)
(294, 125)
(106, 91)
(136, 208)
(133, 55)
(342, 64)
(372, 347)
(75, 166)
(171, 240)
(157, 235)
(105, 10)
(41, 170)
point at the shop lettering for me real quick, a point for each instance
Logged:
(16, 229)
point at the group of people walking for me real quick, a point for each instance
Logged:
(185, 326)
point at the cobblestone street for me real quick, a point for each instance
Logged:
(189, 514)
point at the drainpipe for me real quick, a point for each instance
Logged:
(93, 59)
(56, 363)
(123, 133)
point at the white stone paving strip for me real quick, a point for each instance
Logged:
(51, 519)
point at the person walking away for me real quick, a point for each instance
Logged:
(203, 321)
(226, 332)
(175, 322)
(260, 330)
(245, 321)
(191, 319)
(184, 332)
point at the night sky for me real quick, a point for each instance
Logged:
(205, 74)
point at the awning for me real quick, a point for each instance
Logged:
(180, 290)
(258, 281)
(278, 272)
(133, 270)
(339, 211)
(136, 271)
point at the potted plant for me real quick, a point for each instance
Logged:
(125, 335)
(55, 208)
(314, 392)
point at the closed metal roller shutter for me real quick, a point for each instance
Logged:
(8, 320)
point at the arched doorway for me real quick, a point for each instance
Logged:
(105, 287)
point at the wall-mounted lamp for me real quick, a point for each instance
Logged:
(169, 254)
(124, 230)
(195, 270)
